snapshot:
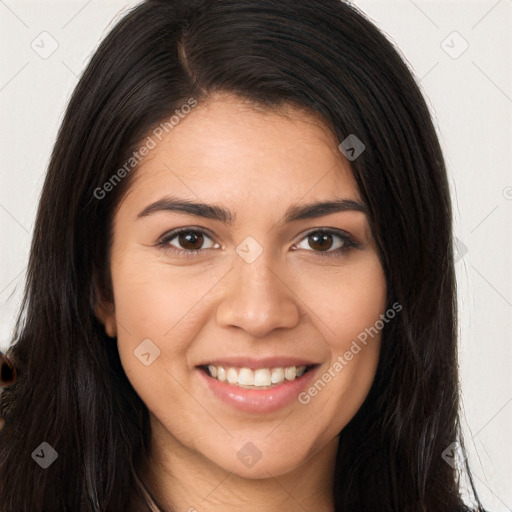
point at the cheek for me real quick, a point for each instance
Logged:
(166, 305)
(345, 301)
(348, 308)
(157, 313)
(154, 299)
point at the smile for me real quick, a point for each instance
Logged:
(260, 378)
(256, 386)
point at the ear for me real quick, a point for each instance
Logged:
(105, 313)
(104, 309)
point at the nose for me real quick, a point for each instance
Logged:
(257, 299)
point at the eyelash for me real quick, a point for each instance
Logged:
(349, 242)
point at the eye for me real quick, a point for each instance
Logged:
(327, 242)
(189, 241)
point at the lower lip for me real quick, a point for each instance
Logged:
(258, 400)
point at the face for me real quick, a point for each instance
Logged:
(235, 321)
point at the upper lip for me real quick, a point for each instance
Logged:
(261, 362)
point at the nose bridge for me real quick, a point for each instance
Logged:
(257, 298)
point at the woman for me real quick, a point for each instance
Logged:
(241, 289)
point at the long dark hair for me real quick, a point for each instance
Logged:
(322, 56)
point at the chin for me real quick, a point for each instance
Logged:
(250, 463)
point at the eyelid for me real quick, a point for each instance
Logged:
(174, 232)
(348, 239)
(332, 231)
(164, 241)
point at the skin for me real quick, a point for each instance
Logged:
(289, 301)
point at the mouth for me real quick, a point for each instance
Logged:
(256, 386)
(256, 378)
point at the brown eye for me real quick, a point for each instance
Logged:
(327, 243)
(187, 242)
(191, 240)
(320, 241)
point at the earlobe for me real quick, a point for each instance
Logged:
(107, 317)
(103, 307)
(111, 327)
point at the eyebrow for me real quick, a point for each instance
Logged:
(210, 211)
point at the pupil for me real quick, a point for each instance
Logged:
(322, 240)
(190, 238)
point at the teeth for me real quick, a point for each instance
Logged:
(260, 378)
(290, 373)
(277, 375)
(246, 377)
(232, 376)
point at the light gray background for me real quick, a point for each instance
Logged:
(470, 94)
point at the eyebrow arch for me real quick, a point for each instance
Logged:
(210, 211)
(313, 210)
(173, 204)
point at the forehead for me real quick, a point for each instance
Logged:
(227, 150)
